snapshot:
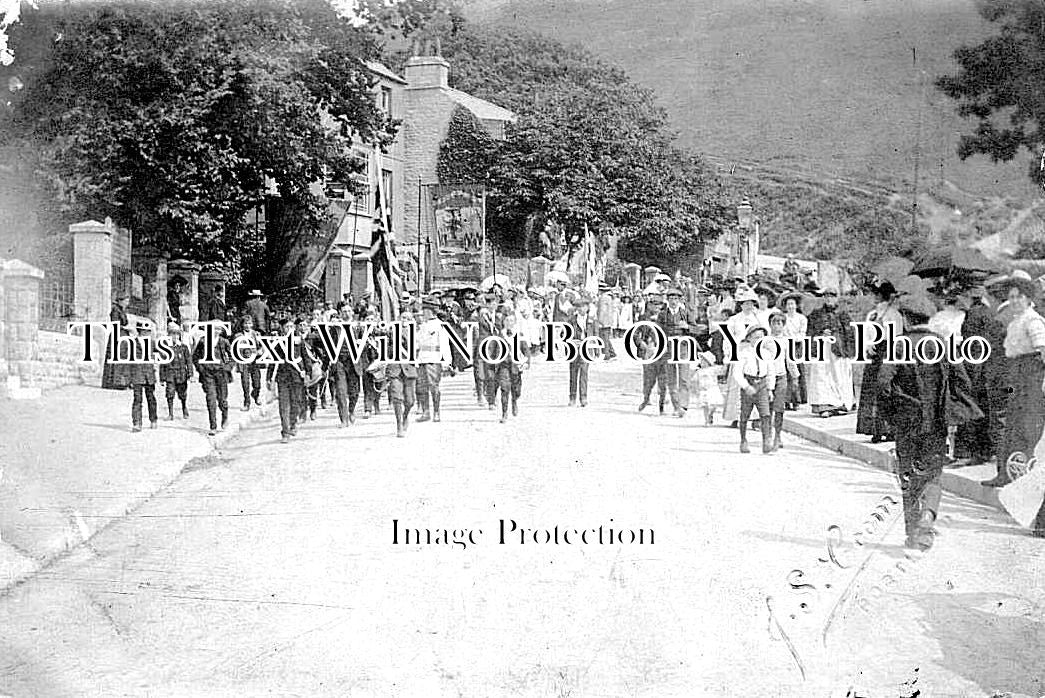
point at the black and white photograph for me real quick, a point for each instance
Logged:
(535, 348)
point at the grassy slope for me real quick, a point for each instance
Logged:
(821, 85)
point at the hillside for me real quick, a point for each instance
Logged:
(823, 86)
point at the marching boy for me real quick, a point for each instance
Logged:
(142, 378)
(752, 375)
(177, 374)
(249, 372)
(784, 374)
(583, 322)
(215, 377)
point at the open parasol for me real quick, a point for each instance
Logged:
(553, 276)
(946, 260)
(489, 281)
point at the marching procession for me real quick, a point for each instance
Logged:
(940, 413)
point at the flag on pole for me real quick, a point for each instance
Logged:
(385, 267)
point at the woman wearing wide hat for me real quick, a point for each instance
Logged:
(796, 325)
(869, 419)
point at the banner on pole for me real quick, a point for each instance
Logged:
(459, 231)
(301, 251)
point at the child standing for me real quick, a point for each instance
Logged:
(784, 374)
(142, 379)
(751, 374)
(709, 395)
(249, 372)
(177, 374)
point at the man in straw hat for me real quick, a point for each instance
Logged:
(258, 309)
(674, 320)
(646, 343)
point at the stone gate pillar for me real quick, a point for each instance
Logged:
(151, 264)
(21, 324)
(92, 270)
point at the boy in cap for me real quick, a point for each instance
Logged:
(142, 379)
(215, 378)
(402, 385)
(584, 326)
(752, 375)
(177, 374)
(249, 372)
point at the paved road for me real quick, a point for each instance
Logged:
(271, 570)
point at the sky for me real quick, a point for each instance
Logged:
(8, 13)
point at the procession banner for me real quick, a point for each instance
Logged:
(459, 226)
(301, 251)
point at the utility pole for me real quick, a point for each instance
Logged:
(917, 144)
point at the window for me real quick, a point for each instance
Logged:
(387, 186)
(384, 100)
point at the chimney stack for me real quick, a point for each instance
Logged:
(427, 71)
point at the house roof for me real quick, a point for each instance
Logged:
(384, 71)
(480, 107)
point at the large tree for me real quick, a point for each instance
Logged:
(999, 83)
(171, 117)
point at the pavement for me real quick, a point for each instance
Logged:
(71, 466)
(839, 434)
(269, 569)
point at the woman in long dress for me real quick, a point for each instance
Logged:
(115, 376)
(795, 327)
(869, 418)
(831, 376)
(738, 326)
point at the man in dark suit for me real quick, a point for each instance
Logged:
(674, 320)
(258, 309)
(346, 375)
(583, 323)
(402, 386)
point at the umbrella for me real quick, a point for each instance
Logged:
(662, 277)
(553, 276)
(892, 269)
(489, 281)
(943, 261)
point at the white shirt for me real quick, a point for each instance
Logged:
(433, 344)
(748, 364)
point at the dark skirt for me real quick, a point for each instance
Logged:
(1026, 409)
(115, 376)
(868, 417)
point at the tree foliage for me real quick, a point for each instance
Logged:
(171, 117)
(999, 83)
